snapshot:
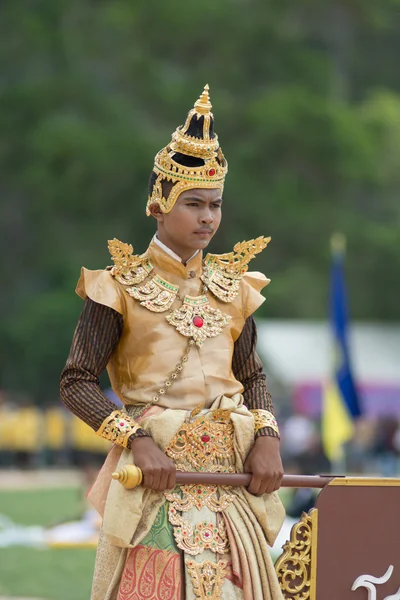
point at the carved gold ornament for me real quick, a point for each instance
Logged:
(205, 444)
(222, 273)
(117, 428)
(197, 319)
(207, 578)
(209, 175)
(157, 295)
(198, 496)
(129, 269)
(294, 566)
(204, 536)
(201, 442)
(264, 418)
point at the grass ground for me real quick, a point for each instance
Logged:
(51, 574)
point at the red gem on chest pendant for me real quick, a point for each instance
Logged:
(205, 438)
(198, 321)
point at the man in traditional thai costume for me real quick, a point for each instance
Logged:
(176, 333)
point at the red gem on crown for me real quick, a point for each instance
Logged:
(211, 172)
(198, 321)
(205, 438)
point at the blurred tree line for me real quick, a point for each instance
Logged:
(307, 106)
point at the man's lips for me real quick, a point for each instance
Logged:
(204, 231)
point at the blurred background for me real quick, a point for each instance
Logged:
(306, 97)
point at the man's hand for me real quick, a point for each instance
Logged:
(158, 470)
(265, 464)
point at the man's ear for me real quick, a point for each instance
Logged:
(156, 212)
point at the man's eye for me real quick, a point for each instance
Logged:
(193, 204)
(216, 205)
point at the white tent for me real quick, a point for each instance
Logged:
(300, 351)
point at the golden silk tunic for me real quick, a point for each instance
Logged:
(237, 526)
(150, 347)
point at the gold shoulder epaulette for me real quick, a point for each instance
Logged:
(222, 273)
(129, 268)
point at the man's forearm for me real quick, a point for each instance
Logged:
(96, 336)
(248, 369)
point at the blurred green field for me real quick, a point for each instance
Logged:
(48, 574)
(51, 574)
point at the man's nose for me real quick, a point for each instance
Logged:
(206, 216)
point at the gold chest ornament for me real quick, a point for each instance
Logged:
(195, 318)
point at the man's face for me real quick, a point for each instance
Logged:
(192, 222)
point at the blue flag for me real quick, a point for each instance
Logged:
(341, 403)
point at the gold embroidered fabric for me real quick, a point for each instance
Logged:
(118, 428)
(204, 535)
(222, 273)
(199, 496)
(249, 521)
(207, 578)
(264, 418)
(197, 319)
(201, 443)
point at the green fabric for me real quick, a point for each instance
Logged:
(161, 534)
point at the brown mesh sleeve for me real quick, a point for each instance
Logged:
(96, 336)
(248, 369)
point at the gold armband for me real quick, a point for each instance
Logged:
(264, 418)
(118, 428)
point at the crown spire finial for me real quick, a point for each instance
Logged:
(203, 104)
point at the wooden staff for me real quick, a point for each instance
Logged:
(131, 476)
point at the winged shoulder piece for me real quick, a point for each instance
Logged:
(129, 268)
(222, 273)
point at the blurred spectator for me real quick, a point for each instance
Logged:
(360, 450)
(50, 436)
(88, 449)
(55, 437)
(7, 421)
(386, 448)
(298, 435)
(303, 500)
(20, 428)
(31, 436)
(301, 445)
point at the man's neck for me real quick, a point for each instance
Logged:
(172, 253)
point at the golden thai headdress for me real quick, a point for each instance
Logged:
(195, 139)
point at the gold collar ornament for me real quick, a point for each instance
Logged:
(128, 269)
(157, 295)
(204, 146)
(195, 318)
(222, 273)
